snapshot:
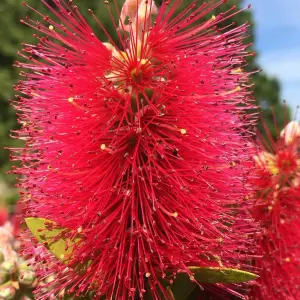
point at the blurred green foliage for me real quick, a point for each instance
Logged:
(13, 33)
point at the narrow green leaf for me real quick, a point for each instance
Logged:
(183, 286)
(221, 275)
(56, 239)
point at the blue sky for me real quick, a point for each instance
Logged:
(278, 43)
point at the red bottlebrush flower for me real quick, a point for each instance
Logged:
(141, 148)
(278, 211)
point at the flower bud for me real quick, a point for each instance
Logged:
(291, 132)
(7, 292)
(27, 277)
(24, 266)
(3, 276)
(9, 266)
(129, 9)
(138, 12)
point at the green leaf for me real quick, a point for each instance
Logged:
(183, 285)
(221, 275)
(56, 239)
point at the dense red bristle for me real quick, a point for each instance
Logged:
(143, 148)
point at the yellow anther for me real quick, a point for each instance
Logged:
(270, 207)
(183, 131)
(79, 230)
(192, 278)
(61, 256)
(102, 147)
(238, 70)
(213, 17)
(287, 259)
(50, 279)
(35, 94)
(144, 61)
(51, 27)
(147, 274)
(237, 89)
(61, 293)
(70, 99)
(175, 214)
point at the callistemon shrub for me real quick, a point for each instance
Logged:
(137, 146)
(278, 211)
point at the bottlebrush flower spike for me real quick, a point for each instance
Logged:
(278, 211)
(141, 148)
